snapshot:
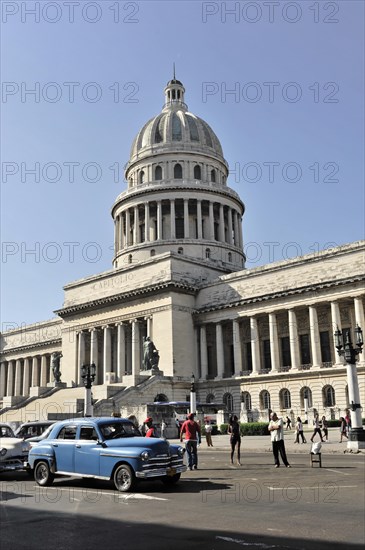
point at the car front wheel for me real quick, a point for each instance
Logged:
(42, 474)
(124, 478)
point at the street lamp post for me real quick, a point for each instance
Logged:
(192, 395)
(88, 373)
(345, 347)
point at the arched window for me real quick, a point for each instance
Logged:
(207, 253)
(210, 398)
(158, 173)
(224, 179)
(228, 401)
(180, 250)
(306, 393)
(265, 400)
(141, 177)
(197, 173)
(246, 400)
(161, 398)
(212, 176)
(129, 258)
(178, 172)
(329, 398)
(230, 256)
(285, 399)
(153, 252)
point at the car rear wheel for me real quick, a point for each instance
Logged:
(42, 474)
(171, 480)
(124, 478)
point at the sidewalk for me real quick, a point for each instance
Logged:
(262, 443)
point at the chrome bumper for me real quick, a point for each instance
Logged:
(161, 472)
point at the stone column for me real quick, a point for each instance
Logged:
(237, 351)
(136, 226)
(147, 222)
(235, 225)
(230, 229)
(127, 227)
(11, 376)
(43, 381)
(35, 372)
(159, 220)
(203, 352)
(314, 337)
(293, 339)
(172, 219)
(116, 234)
(18, 377)
(121, 351)
(107, 352)
(186, 218)
(211, 221)
(220, 350)
(121, 230)
(94, 354)
(136, 354)
(360, 320)
(26, 376)
(255, 346)
(3, 379)
(336, 322)
(199, 218)
(274, 344)
(80, 356)
(221, 223)
(149, 327)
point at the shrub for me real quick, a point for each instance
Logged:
(249, 428)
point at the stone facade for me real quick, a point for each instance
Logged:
(256, 339)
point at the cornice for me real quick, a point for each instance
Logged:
(31, 346)
(282, 294)
(122, 297)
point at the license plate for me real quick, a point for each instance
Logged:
(171, 472)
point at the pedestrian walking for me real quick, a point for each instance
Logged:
(288, 423)
(348, 422)
(208, 433)
(343, 429)
(191, 429)
(299, 431)
(163, 429)
(235, 439)
(317, 428)
(324, 427)
(276, 429)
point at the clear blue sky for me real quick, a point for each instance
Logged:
(269, 54)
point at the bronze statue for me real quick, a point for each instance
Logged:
(151, 356)
(55, 366)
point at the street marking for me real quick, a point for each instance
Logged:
(259, 544)
(336, 471)
(126, 496)
(295, 488)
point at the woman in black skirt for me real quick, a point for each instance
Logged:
(235, 439)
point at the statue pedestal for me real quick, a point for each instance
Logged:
(151, 372)
(57, 385)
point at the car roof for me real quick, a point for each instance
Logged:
(37, 423)
(92, 420)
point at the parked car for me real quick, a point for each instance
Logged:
(32, 429)
(105, 448)
(13, 451)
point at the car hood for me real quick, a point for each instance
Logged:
(156, 444)
(10, 442)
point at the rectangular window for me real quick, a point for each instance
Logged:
(324, 338)
(267, 354)
(305, 354)
(285, 352)
(179, 228)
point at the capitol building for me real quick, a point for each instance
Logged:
(255, 339)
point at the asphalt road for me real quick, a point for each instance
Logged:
(217, 507)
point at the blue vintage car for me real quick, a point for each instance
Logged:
(105, 448)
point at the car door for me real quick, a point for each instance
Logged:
(64, 449)
(87, 451)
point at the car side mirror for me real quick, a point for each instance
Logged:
(100, 442)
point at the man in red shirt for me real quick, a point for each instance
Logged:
(191, 429)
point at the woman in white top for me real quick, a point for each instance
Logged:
(299, 431)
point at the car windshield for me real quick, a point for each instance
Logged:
(6, 431)
(115, 430)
